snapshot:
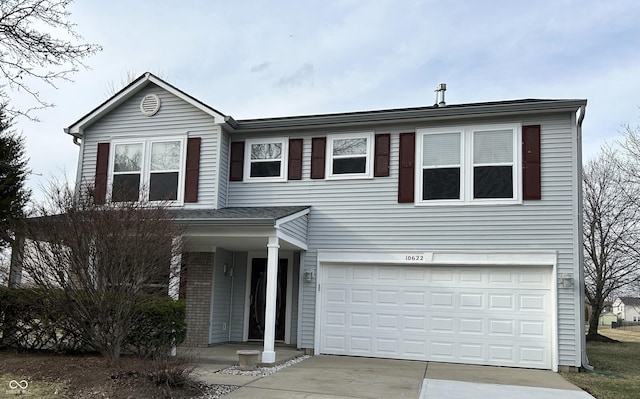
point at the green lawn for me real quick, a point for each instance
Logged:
(617, 367)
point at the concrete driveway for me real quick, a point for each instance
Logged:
(337, 377)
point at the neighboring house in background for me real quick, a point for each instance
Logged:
(445, 233)
(606, 318)
(606, 315)
(627, 308)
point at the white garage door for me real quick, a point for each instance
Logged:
(478, 315)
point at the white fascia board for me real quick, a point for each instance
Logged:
(291, 217)
(293, 241)
(477, 258)
(120, 97)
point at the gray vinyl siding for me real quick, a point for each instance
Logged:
(295, 279)
(221, 297)
(307, 316)
(175, 117)
(223, 179)
(239, 286)
(296, 228)
(365, 214)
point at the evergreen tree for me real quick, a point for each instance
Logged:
(13, 175)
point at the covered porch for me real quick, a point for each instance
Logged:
(241, 276)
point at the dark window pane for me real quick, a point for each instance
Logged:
(349, 165)
(493, 182)
(163, 186)
(265, 169)
(441, 183)
(125, 188)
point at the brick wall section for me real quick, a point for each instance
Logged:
(198, 295)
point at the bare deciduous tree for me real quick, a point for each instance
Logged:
(611, 231)
(98, 261)
(631, 146)
(38, 42)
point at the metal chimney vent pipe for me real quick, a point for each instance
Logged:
(442, 87)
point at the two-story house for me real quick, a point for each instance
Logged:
(439, 233)
(627, 308)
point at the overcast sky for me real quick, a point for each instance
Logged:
(253, 59)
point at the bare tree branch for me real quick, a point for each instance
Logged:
(38, 42)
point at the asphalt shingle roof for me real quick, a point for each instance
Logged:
(264, 213)
(629, 300)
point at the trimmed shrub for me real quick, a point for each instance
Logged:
(159, 324)
(32, 319)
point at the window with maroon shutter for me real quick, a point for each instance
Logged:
(237, 161)
(295, 159)
(406, 170)
(193, 170)
(382, 150)
(102, 173)
(265, 159)
(531, 171)
(318, 151)
(147, 169)
(469, 164)
(350, 156)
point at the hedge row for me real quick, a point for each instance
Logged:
(29, 321)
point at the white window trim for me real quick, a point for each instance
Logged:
(466, 167)
(145, 173)
(368, 173)
(284, 141)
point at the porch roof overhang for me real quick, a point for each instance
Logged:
(244, 228)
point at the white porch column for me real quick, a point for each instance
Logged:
(269, 354)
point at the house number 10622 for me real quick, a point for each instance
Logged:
(414, 258)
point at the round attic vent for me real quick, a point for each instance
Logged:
(150, 105)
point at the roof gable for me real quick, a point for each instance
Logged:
(130, 90)
(630, 301)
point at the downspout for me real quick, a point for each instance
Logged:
(79, 143)
(585, 359)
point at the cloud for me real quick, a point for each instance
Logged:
(302, 76)
(260, 67)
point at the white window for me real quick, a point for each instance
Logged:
(474, 164)
(265, 159)
(350, 156)
(147, 170)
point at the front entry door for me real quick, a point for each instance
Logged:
(257, 299)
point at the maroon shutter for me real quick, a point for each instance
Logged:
(295, 159)
(102, 173)
(382, 150)
(318, 150)
(193, 170)
(406, 177)
(237, 161)
(531, 176)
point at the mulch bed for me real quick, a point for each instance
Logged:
(91, 376)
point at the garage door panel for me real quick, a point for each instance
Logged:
(532, 303)
(501, 302)
(498, 316)
(442, 299)
(337, 295)
(469, 325)
(359, 296)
